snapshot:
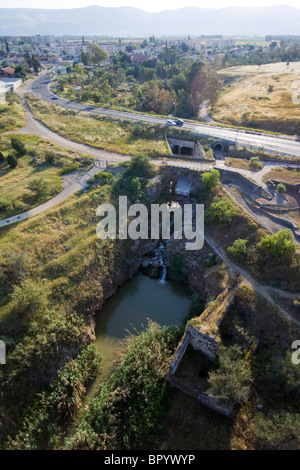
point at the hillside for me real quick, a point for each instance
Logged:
(128, 21)
(268, 94)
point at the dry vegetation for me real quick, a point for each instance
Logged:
(11, 113)
(283, 174)
(30, 184)
(265, 92)
(98, 131)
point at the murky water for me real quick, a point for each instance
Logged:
(128, 311)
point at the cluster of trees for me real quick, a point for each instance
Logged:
(155, 85)
(94, 55)
(284, 50)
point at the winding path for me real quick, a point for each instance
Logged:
(76, 181)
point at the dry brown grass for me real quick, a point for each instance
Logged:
(249, 88)
(283, 174)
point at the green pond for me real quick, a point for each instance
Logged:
(129, 309)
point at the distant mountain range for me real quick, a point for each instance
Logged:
(128, 21)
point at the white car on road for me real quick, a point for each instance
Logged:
(169, 122)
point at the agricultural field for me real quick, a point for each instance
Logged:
(265, 96)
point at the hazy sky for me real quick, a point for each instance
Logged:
(150, 5)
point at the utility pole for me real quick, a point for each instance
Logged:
(175, 104)
(236, 139)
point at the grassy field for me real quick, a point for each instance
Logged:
(269, 95)
(239, 163)
(29, 184)
(12, 114)
(284, 175)
(107, 133)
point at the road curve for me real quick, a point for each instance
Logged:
(272, 143)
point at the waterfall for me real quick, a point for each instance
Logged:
(162, 280)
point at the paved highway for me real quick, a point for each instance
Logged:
(270, 143)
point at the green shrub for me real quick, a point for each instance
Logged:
(278, 430)
(140, 166)
(50, 158)
(281, 188)
(238, 250)
(279, 245)
(210, 179)
(59, 406)
(18, 145)
(232, 380)
(255, 164)
(197, 304)
(70, 168)
(12, 160)
(40, 187)
(222, 211)
(105, 175)
(178, 269)
(129, 409)
(1, 157)
(211, 260)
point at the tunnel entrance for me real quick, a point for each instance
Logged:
(219, 147)
(185, 148)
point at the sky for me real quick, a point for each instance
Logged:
(153, 5)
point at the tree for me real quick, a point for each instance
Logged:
(222, 211)
(232, 380)
(20, 72)
(12, 160)
(210, 179)
(1, 157)
(96, 54)
(213, 86)
(279, 245)
(281, 188)
(84, 57)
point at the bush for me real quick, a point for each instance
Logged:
(129, 408)
(197, 304)
(238, 250)
(1, 157)
(50, 158)
(12, 160)
(255, 164)
(232, 380)
(210, 179)
(278, 430)
(140, 166)
(59, 405)
(222, 211)
(281, 188)
(105, 175)
(70, 168)
(211, 260)
(279, 245)
(18, 145)
(40, 187)
(178, 269)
